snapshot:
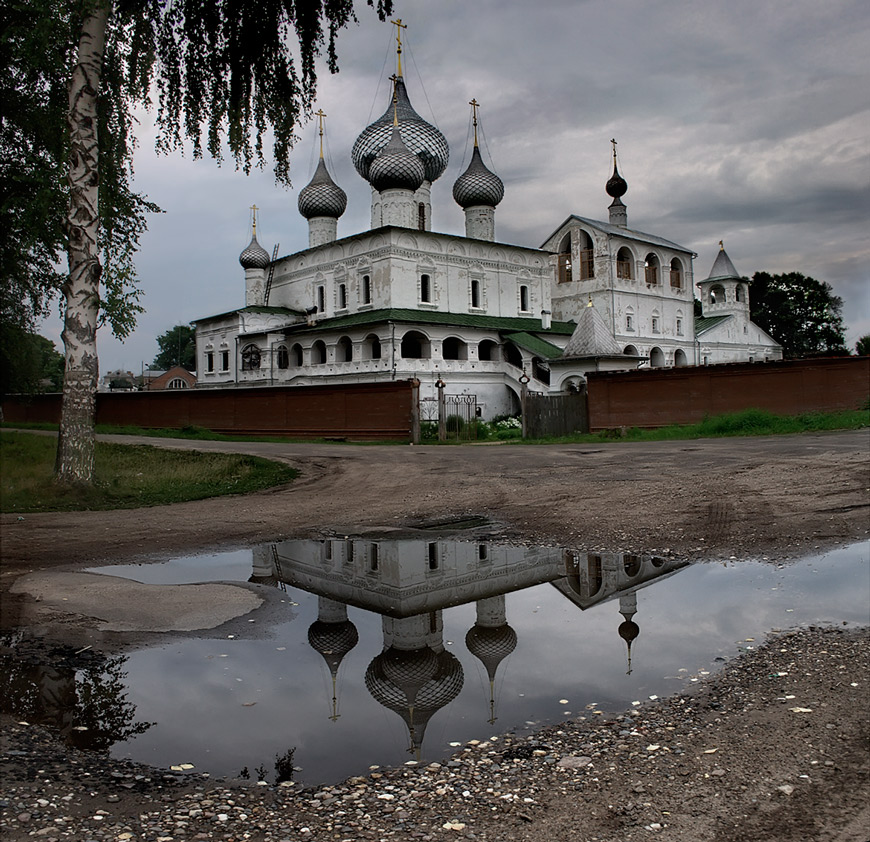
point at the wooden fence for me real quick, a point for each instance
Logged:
(556, 415)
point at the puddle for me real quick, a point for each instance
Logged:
(391, 650)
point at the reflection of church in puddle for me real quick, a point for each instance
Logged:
(410, 582)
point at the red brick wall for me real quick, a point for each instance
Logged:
(658, 397)
(372, 411)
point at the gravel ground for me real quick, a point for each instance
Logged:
(775, 747)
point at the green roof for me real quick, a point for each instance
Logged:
(537, 346)
(499, 323)
(281, 311)
(703, 323)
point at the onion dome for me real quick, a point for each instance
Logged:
(254, 256)
(616, 185)
(322, 196)
(420, 137)
(333, 641)
(396, 167)
(477, 185)
(491, 645)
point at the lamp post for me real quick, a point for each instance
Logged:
(524, 382)
(442, 431)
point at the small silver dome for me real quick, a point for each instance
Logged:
(422, 138)
(322, 196)
(477, 185)
(396, 166)
(254, 256)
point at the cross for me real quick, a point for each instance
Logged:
(474, 106)
(320, 114)
(399, 27)
(613, 141)
(254, 210)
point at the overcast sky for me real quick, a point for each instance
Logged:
(742, 121)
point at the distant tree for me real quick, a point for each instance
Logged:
(29, 363)
(862, 346)
(799, 312)
(177, 347)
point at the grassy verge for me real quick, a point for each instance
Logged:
(749, 422)
(127, 476)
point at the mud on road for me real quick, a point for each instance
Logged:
(776, 774)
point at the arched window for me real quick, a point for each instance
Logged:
(717, 294)
(657, 358)
(415, 346)
(283, 357)
(296, 351)
(624, 264)
(342, 296)
(487, 350)
(651, 269)
(739, 293)
(676, 274)
(564, 260)
(318, 353)
(421, 216)
(631, 350)
(372, 347)
(344, 350)
(680, 358)
(250, 358)
(524, 298)
(586, 256)
(475, 293)
(366, 289)
(321, 299)
(426, 289)
(454, 348)
(177, 383)
(629, 319)
(512, 355)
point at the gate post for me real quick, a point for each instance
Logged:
(442, 427)
(415, 411)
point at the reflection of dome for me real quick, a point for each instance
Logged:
(271, 581)
(396, 167)
(415, 684)
(491, 645)
(254, 256)
(420, 137)
(628, 630)
(333, 640)
(477, 185)
(322, 196)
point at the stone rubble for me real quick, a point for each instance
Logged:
(728, 753)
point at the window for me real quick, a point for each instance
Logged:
(372, 347)
(425, 289)
(655, 324)
(342, 296)
(366, 289)
(297, 355)
(344, 350)
(679, 327)
(487, 350)
(321, 299)
(225, 360)
(454, 348)
(283, 356)
(739, 293)
(421, 216)
(564, 268)
(209, 361)
(623, 264)
(524, 298)
(415, 346)
(629, 322)
(586, 256)
(717, 294)
(318, 353)
(250, 358)
(475, 292)
(177, 383)
(374, 557)
(433, 556)
(651, 269)
(676, 274)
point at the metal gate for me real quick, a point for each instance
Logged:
(449, 417)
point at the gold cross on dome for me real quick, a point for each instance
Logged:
(399, 27)
(474, 106)
(254, 210)
(320, 114)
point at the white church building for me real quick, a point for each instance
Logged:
(469, 315)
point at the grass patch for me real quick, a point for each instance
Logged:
(127, 476)
(749, 422)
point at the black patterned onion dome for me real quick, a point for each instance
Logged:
(422, 138)
(333, 640)
(616, 185)
(491, 645)
(322, 196)
(628, 630)
(477, 185)
(254, 256)
(396, 167)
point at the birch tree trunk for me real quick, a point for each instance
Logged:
(75, 451)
